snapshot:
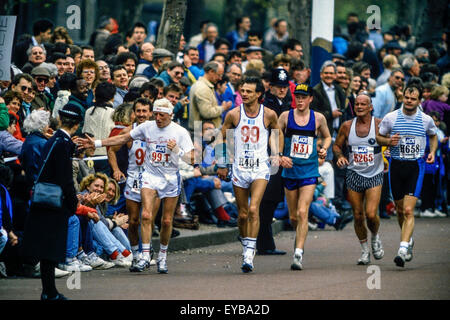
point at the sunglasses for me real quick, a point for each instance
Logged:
(178, 73)
(26, 89)
(44, 80)
(399, 78)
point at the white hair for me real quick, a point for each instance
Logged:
(32, 46)
(408, 63)
(37, 120)
(138, 82)
(326, 64)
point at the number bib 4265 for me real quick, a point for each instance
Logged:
(363, 156)
(301, 146)
(159, 155)
(409, 147)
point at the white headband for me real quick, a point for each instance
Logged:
(162, 109)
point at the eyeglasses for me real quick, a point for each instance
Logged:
(44, 80)
(26, 89)
(88, 72)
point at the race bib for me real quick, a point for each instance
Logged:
(247, 160)
(363, 156)
(409, 147)
(135, 181)
(159, 155)
(301, 147)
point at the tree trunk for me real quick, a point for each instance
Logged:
(299, 24)
(433, 21)
(130, 13)
(234, 9)
(172, 24)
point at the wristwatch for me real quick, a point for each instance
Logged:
(280, 154)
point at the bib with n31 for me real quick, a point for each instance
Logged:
(159, 155)
(363, 156)
(409, 147)
(301, 147)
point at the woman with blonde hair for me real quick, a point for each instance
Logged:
(107, 231)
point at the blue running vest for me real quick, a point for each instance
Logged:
(300, 144)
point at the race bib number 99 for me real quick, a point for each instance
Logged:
(158, 156)
(301, 147)
(363, 156)
(409, 147)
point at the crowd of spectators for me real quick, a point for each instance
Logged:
(202, 81)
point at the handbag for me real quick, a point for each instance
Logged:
(45, 194)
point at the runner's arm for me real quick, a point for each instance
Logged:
(339, 144)
(324, 133)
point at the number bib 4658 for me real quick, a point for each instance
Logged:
(409, 147)
(159, 155)
(363, 156)
(301, 146)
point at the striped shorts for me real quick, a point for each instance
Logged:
(358, 183)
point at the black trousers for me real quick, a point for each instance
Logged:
(429, 189)
(48, 278)
(265, 237)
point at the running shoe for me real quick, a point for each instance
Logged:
(96, 262)
(377, 249)
(247, 265)
(440, 214)
(75, 265)
(364, 259)
(139, 265)
(427, 214)
(409, 253)
(297, 264)
(121, 261)
(400, 258)
(162, 266)
(60, 273)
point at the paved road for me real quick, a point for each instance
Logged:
(330, 272)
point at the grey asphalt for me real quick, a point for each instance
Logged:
(330, 270)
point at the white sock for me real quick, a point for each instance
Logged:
(251, 245)
(146, 251)
(375, 237)
(162, 252)
(364, 245)
(244, 242)
(404, 246)
(298, 251)
(135, 251)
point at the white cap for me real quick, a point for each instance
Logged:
(162, 105)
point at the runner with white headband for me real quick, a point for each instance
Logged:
(166, 143)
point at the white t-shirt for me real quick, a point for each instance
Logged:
(159, 160)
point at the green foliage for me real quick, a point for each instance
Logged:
(344, 7)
